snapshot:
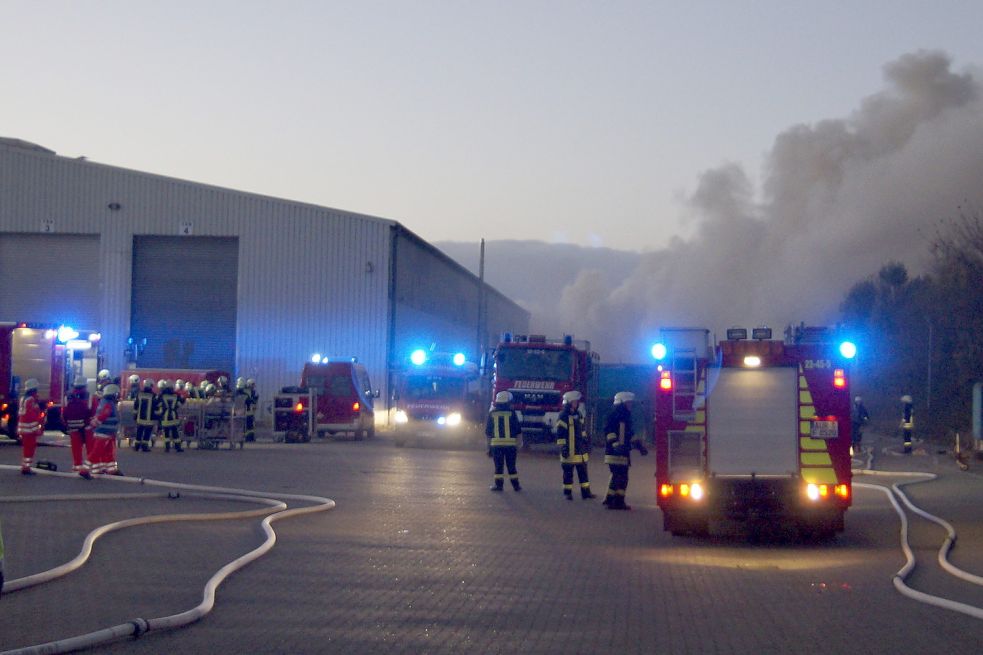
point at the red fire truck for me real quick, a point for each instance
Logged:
(30, 351)
(753, 430)
(438, 396)
(538, 371)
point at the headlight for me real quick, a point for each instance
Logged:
(696, 491)
(401, 416)
(454, 419)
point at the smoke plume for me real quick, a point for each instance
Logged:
(839, 199)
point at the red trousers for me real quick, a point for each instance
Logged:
(102, 453)
(79, 438)
(29, 446)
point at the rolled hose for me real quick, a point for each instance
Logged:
(136, 627)
(895, 492)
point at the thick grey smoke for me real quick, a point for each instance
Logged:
(839, 199)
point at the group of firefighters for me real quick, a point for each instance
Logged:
(93, 423)
(503, 431)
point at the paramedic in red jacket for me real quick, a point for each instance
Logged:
(105, 425)
(77, 414)
(30, 425)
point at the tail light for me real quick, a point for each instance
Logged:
(665, 490)
(842, 490)
(299, 408)
(665, 382)
(356, 406)
(839, 379)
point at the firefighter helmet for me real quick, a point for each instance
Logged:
(503, 397)
(148, 384)
(31, 385)
(240, 383)
(571, 396)
(222, 380)
(80, 383)
(161, 384)
(110, 390)
(179, 384)
(103, 374)
(250, 382)
(906, 399)
(189, 385)
(858, 400)
(623, 397)
(210, 389)
(134, 379)
(203, 384)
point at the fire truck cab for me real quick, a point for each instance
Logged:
(753, 430)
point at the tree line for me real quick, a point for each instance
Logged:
(923, 335)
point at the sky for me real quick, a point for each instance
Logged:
(584, 123)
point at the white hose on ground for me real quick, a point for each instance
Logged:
(138, 626)
(902, 574)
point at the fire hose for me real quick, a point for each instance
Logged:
(274, 509)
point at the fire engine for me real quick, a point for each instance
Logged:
(538, 371)
(753, 430)
(34, 351)
(437, 396)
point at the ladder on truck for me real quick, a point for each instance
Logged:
(685, 395)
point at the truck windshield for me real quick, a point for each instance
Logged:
(425, 387)
(534, 364)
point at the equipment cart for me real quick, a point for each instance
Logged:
(223, 419)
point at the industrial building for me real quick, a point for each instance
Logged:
(214, 278)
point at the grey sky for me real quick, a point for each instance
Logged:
(584, 122)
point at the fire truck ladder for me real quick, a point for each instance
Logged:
(684, 388)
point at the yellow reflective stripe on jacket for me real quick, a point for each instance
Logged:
(616, 459)
(503, 441)
(500, 426)
(612, 437)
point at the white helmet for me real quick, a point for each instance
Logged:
(906, 399)
(168, 384)
(223, 380)
(148, 383)
(189, 385)
(104, 374)
(623, 397)
(250, 382)
(858, 400)
(31, 385)
(210, 389)
(134, 379)
(571, 396)
(110, 390)
(161, 384)
(179, 383)
(240, 383)
(203, 384)
(503, 397)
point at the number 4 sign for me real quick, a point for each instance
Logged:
(186, 228)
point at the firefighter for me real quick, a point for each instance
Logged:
(169, 402)
(145, 408)
(77, 414)
(190, 390)
(203, 389)
(179, 388)
(134, 387)
(502, 430)
(252, 401)
(103, 378)
(222, 385)
(620, 435)
(858, 418)
(574, 443)
(907, 422)
(105, 425)
(30, 425)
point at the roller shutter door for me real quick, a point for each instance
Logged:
(184, 301)
(51, 278)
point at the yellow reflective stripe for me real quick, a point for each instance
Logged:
(819, 476)
(815, 459)
(503, 441)
(615, 459)
(561, 442)
(805, 397)
(585, 485)
(611, 436)
(694, 428)
(561, 424)
(805, 428)
(807, 411)
(807, 443)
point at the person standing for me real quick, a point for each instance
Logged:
(168, 403)
(133, 388)
(502, 430)
(620, 436)
(105, 425)
(145, 409)
(77, 414)
(30, 425)
(907, 422)
(858, 418)
(574, 443)
(252, 401)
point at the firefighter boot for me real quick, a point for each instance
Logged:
(167, 446)
(568, 494)
(586, 494)
(515, 485)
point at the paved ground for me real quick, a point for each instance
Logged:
(419, 557)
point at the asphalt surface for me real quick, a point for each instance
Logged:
(420, 557)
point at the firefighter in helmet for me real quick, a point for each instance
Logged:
(146, 409)
(203, 389)
(252, 401)
(169, 401)
(502, 430)
(574, 443)
(133, 387)
(30, 425)
(103, 378)
(907, 422)
(620, 436)
(77, 414)
(859, 416)
(105, 426)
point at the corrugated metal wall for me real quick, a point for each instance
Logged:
(310, 278)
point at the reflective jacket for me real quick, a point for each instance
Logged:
(30, 421)
(908, 417)
(502, 427)
(77, 412)
(571, 436)
(146, 408)
(106, 421)
(620, 434)
(169, 402)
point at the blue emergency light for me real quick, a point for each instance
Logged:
(659, 351)
(459, 359)
(848, 349)
(419, 357)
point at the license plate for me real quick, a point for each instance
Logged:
(824, 430)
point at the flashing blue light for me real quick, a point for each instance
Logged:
(848, 349)
(419, 357)
(66, 334)
(459, 359)
(659, 351)
(316, 358)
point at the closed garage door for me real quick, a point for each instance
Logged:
(51, 278)
(184, 301)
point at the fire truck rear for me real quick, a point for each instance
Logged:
(30, 351)
(753, 430)
(538, 371)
